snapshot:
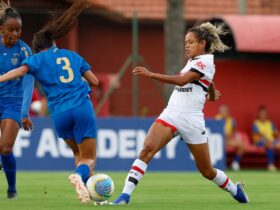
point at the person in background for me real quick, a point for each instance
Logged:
(232, 136)
(266, 135)
(15, 95)
(66, 79)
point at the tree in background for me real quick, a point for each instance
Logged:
(174, 40)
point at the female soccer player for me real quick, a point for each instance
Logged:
(184, 112)
(15, 96)
(61, 74)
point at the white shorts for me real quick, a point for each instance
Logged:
(190, 126)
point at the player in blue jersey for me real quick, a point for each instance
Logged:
(15, 95)
(61, 74)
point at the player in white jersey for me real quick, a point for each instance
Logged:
(184, 112)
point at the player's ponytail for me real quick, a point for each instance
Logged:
(6, 11)
(211, 34)
(58, 26)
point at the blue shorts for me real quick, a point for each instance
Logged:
(10, 108)
(77, 123)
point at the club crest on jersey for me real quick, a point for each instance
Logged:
(14, 59)
(200, 65)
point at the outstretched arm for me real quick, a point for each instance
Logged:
(179, 80)
(16, 73)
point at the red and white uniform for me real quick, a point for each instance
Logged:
(184, 110)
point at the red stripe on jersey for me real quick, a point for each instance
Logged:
(225, 184)
(173, 128)
(135, 168)
(205, 82)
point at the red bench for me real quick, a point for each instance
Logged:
(253, 158)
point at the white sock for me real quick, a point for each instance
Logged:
(134, 176)
(225, 183)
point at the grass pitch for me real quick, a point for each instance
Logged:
(163, 191)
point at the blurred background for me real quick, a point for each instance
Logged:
(115, 35)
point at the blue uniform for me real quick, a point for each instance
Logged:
(12, 92)
(60, 73)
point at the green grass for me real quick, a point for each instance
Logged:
(163, 191)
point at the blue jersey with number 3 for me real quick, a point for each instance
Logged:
(60, 73)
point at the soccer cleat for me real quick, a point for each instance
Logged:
(241, 195)
(80, 188)
(123, 199)
(1, 166)
(12, 195)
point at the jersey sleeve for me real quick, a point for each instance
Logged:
(32, 62)
(84, 65)
(27, 85)
(25, 51)
(203, 67)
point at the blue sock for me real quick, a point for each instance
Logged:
(9, 166)
(84, 171)
(270, 156)
(237, 158)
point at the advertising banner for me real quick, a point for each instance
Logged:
(119, 142)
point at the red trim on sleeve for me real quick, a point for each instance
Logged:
(173, 128)
(205, 82)
(135, 168)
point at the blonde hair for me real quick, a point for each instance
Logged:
(211, 34)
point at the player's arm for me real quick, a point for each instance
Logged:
(15, 73)
(91, 78)
(27, 84)
(179, 80)
(213, 94)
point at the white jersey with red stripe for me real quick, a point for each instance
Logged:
(192, 96)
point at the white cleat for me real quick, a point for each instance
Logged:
(80, 188)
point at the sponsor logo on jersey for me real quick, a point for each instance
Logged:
(188, 89)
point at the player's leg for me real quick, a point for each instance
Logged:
(84, 168)
(238, 144)
(80, 169)
(270, 156)
(9, 131)
(85, 133)
(74, 147)
(157, 137)
(203, 163)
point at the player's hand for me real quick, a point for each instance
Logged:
(215, 97)
(27, 124)
(142, 71)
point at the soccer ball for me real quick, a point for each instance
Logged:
(100, 187)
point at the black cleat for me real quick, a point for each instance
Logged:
(12, 195)
(1, 167)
